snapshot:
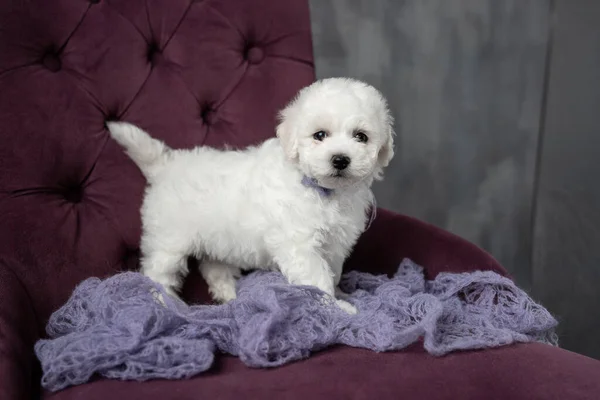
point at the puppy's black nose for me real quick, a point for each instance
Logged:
(340, 161)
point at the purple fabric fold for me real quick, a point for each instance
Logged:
(127, 327)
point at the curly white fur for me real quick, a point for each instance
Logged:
(249, 209)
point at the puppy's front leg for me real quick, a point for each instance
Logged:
(337, 265)
(338, 257)
(305, 266)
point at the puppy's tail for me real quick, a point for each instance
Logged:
(149, 154)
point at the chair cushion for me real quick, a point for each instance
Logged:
(532, 371)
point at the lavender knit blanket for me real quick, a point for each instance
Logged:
(126, 327)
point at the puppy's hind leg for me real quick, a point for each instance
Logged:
(221, 279)
(168, 269)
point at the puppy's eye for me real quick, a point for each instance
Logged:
(361, 137)
(320, 135)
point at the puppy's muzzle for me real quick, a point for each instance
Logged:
(340, 161)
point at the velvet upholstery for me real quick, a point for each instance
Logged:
(210, 72)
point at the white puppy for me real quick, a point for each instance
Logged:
(297, 202)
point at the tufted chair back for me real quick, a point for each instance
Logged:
(210, 72)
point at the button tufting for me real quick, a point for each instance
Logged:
(153, 52)
(111, 116)
(73, 194)
(254, 55)
(52, 62)
(130, 259)
(208, 115)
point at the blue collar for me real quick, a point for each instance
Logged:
(312, 183)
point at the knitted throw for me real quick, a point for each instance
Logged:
(126, 327)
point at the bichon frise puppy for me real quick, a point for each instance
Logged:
(296, 203)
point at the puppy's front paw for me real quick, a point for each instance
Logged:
(347, 307)
(172, 293)
(223, 293)
(339, 294)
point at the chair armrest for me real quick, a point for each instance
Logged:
(18, 332)
(393, 237)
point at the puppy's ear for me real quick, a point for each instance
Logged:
(386, 152)
(287, 135)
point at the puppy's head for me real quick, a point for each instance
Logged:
(338, 131)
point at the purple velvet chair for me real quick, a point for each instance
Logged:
(191, 72)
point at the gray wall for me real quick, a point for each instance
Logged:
(485, 111)
(566, 262)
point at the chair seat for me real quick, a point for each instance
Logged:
(524, 371)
